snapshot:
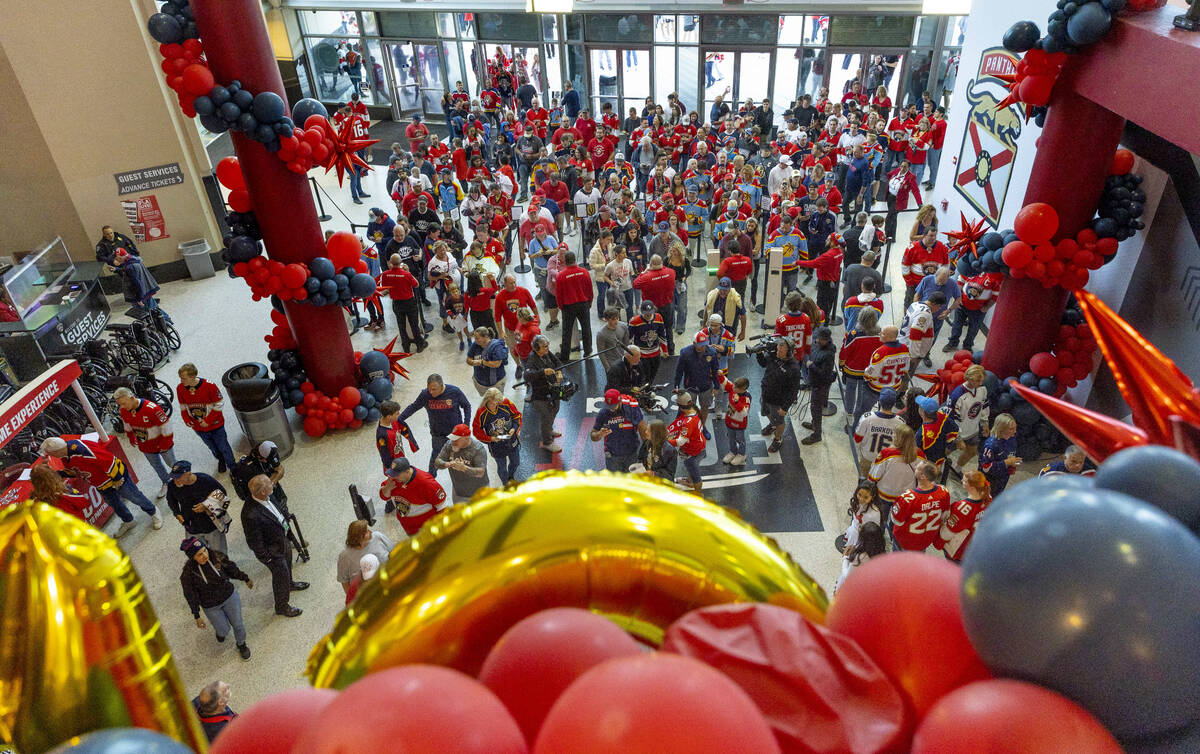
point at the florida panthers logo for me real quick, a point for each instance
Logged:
(989, 144)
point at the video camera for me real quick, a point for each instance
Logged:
(563, 390)
(765, 344)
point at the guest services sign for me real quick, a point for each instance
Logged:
(136, 181)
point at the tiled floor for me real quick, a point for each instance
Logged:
(220, 327)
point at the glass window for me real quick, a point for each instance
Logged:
(404, 74)
(925, 35)
(604, 78)
(466, 26)
(332, 73)
(737, 29)
(817, 30)
(576, 70)
(621, 29)
(688, 83)
(332, 22)
(689, 29)
(791, 30)
(550, 27)
(302, 73)
(429, 66)
(454, 71)
(370, 24)
(574, 27)
(664, 72)
(787, 69)
(664, 29)
(373, 72)
(917, 81)
(635, 82)
(552, 69)
(956, 31)
(871, 31)
(947, 75)
(407, 24)
(754, 76)
(812, 71)
(509, 26)
(445, 22)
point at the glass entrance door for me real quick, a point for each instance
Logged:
(619, 77)
(736, 77)
(402, 69)
(870, 68)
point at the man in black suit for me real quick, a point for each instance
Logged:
(265, 524)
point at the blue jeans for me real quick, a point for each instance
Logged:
(630, 307)
(790, 279)
(918, 170)
(127, 491)
(972, 319)
(601, 295)
(865, 400)
(356, 190)
(228, 615)
(737, 440)
(507, 463)
(619, 463)
(162, 463)
(934, 158)
(217, 443)
(680, 306)
(691, 464)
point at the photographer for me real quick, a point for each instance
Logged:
(262, 459)
(622, 427)
(821, 376)
(780, 386)
(627, 374)
(543, 375)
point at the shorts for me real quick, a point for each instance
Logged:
(973, 440)
(771, 412)
(549, 299)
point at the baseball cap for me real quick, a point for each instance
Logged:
(663, 227)
(648, 307)
(398, 467)
(368, 566)
(619, 156)
(612, 395)
(824, 333)
(683, 399)
(461, 430)
(724, 284)
(927, 404)
(888, 398)
(416, 116)
(444, 171)
(180, 468)
(265, 448)
(829, 177)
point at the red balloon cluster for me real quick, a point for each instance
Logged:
(307, 146)
(229, 175)
(1067, 263)
(322, 413)
(187, 72)
(952, 374)
(270, 277)
(1069, 360)
(344, 249)
(1036, 73)
(281, 337)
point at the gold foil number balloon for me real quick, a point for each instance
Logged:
(633, 549)
(80, 646)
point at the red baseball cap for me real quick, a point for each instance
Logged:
(612, 395)
(461, 430)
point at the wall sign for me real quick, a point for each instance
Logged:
(989, 145)
(145, 219)
(148, 178)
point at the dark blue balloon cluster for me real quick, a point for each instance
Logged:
(327, 285)
(262, 117)
(1121, 204)
(1087, 586)
(988, 259)
(1073, 25)
(244, 241)
(289, 372)
(375, 368)
(173, 23)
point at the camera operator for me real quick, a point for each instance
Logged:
(543, 374)
(622, 427)
(780, 386)
(262, 459)
(821, 376)
(627, 374)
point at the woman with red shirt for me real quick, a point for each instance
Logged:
(478, 298)
(919, 144)
(881, 101)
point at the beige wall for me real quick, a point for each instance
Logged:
(84, 111)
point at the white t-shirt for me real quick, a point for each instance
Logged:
(621, 273)
(847, 143)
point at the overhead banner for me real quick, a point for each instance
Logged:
(31, 400)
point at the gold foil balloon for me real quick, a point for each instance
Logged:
(80, 646)
(632, 549)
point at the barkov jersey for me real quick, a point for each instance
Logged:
(874, 432)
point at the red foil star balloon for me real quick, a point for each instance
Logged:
(1098, 435)
(395, 357)
(351, 137)
(966, 240)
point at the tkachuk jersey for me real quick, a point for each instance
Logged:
(798, 327)
(888, 367)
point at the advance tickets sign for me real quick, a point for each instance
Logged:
(989, 144)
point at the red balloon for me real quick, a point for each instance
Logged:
(349, 396)
(278, 317)
(1008, 715)
(257, 263)
(1082, 369)
(314, 426)
(1035, 270)
(1036, 223)
(297, 167)
(1043, 364)
(310, 398)
(173, 50)
(817, 689)
(1055, 268)
(1065, 376)
(356, 424)
(197, 79)
(300, 294)
(301, 409)
(443, 711)
(1122, 162)
(1065, 358)
(270, 725)
(1044, 253)
(293, 275)
(903, 610)
(262, 275)
(239, 201)
(1086, 236)
(360, 264)
(193, 47)
(654, 702)
(1036, 90)
(317, 123)
(307, 387)
(964, 356)
(240, 269)
(345, 416)
(320, 153)
(344, 249)
(540, 656)
(1106, 246)
(229, 173)
(1017, 254)
(1017, 272)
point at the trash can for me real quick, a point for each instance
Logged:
(258, 406)
(195, 255)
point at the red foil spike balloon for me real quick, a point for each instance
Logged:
(395, 357)
(1098, 435)
(1187, 436)
(351, 137)
(1153, 386)
(966, 240)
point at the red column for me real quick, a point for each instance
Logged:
(236, 45)
(1074, 157)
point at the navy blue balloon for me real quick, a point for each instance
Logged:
(1047, 385)
(230, 112)
(360, 412)
(977, 357)
(312, 284)
(1026, 415)
(122, 741)
(1021, 36)
(296, 397)
(349, 272)
(243, 99)
(1105, 227)
(381, 388)
(243, 248)
(268, 107)
(316, 299)
(306, 107)
(292, 383)
(1088, 24)
(219, 95)
(341, 280)
(373, 414)
(1003, 403)
(264, 133)
(367, 400)
(1029, 379)
(992, 241)
(321, 268)
(214, 123)
(1186, 741)
(329, 289)
(374, 364)
(247, 124)
(164, 29)
(1090, 593)
(203, 105)
(362, 285)
(1161, 476)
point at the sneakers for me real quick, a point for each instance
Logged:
(556, 433)
(220, 639)
(553, 324)
(289, 612)
(125, 528)
(767, 431)
(727, 458)
(775, 446)
(949, 347)
(156, 521)
(162, 491)
(738, 460)
(927, 361)
(244, 651)
(806, 425)
(552, 447)
(462, 345)
(812, 439)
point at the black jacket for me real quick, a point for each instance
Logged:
(663, 464)
(266, 537)
(181, 500)
(251, 466)
(781, 380)
(821, 365)
(539, 381)
(106, 250)
(624, 376)
(209, 585)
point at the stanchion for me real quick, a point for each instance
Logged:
(887, 255)
(322, 215)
